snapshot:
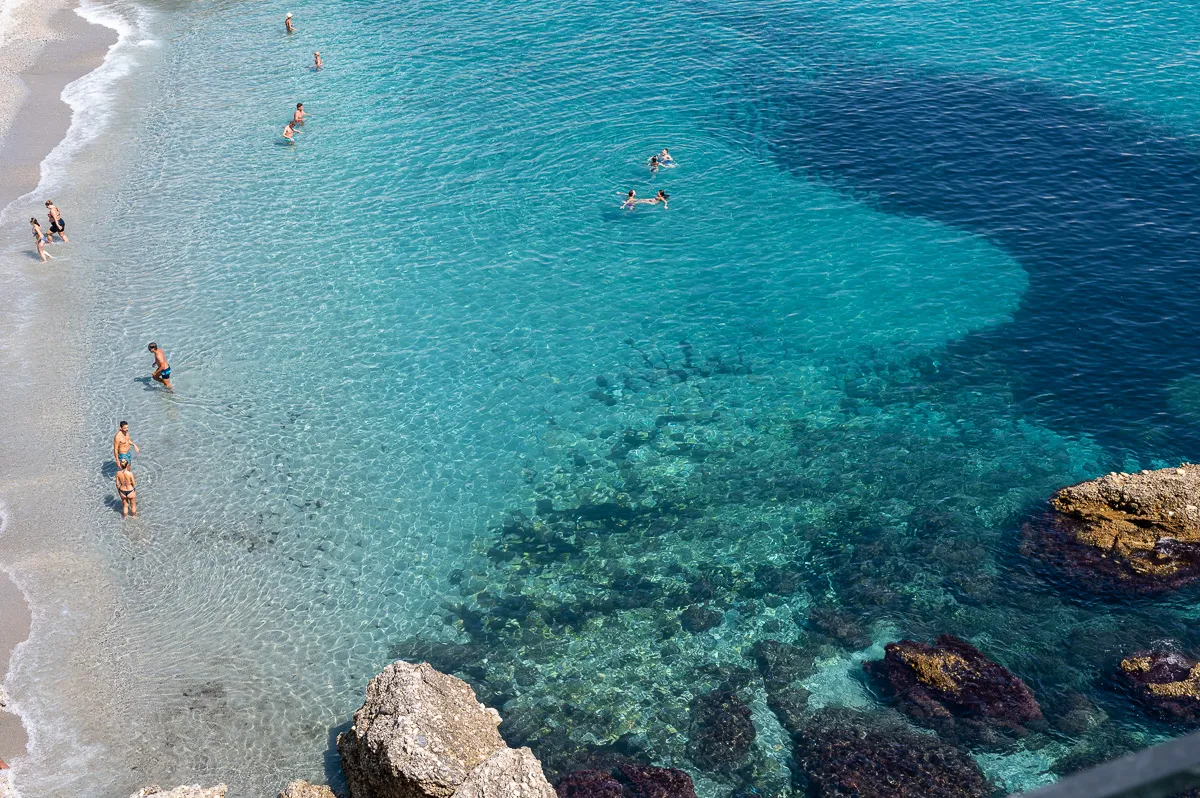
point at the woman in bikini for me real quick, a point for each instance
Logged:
(39, 239)
(127, 487)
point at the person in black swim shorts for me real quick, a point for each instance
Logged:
(57, 225)
(162, 369)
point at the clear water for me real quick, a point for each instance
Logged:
(922, 266)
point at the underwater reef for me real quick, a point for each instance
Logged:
(953, 688)
(1137, 532)
(705, 551)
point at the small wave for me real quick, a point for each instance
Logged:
(92, 97)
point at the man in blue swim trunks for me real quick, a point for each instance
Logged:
(162, 369)
(122, 444)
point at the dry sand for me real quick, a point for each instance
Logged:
(44, 45)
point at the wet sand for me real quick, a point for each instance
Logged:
(14, 627)
(42, 118)
(49, 47)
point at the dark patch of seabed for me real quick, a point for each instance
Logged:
(1103, 212)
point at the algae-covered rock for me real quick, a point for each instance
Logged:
(1166, 681)
(652, 782)
(589, 784)
(848, 754)
(696, 619)
(722, 732)
(951, 681)
(508, 773)
(1139, 531)
(192, 791)
(302, 789)
(420, 733)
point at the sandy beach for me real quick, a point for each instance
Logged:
(45, 47)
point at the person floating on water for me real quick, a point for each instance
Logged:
(127, 488)
(162, 369)
(289, 133)
(57, 225)
(298, 117)
(122, 444)
(653, 164)
(39, 240)
(662, 197)
(287, 23)
(630, 201)
(665, 158)
(317, 62)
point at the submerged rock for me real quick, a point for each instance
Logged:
(1137, 531)
(952, 687)
(840, 625)
(419, 733)
(1166, 681)
(302, 789)
(848, 754)
(696, 619)
(589, 784)
(722, 732)
(193, 791)
(651, 782)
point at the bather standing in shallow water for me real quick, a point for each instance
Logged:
(122, 443)
(162, 369)
(287, 23)
(39, 240)
(127, 488)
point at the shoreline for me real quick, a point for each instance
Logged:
(67, 48)
(42, 119)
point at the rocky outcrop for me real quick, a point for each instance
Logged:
(722, 733)
(1166, 681)
(639, 781)
(1136, 531)
(193, 791)
(845, 753)
(696, 619)
(302, 789)
(508, 773)
(953, 688)
(423, 734)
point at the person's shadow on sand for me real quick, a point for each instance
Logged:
(113, 503)
(108, 469)
(147, 381)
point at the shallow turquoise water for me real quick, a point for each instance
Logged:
(430, 314)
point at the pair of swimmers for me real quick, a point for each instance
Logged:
(57, 226)
(661, 159)
(632, 200)
(123, 449)
(289, 132)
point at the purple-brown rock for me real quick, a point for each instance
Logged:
(650, 782)
(1166, 681)
(848, 754)
(722, 732)
(952, 687)
(589, 784)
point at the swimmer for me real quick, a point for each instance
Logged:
(122, 443)
(662, 197)
(162, 369)
(317, 62)
(287, 23)
(630, 201)
(298, 117)
(653, 164)
(289, 133)
(57, 225)
(127, 488)
(665, 158)
(39, 239)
